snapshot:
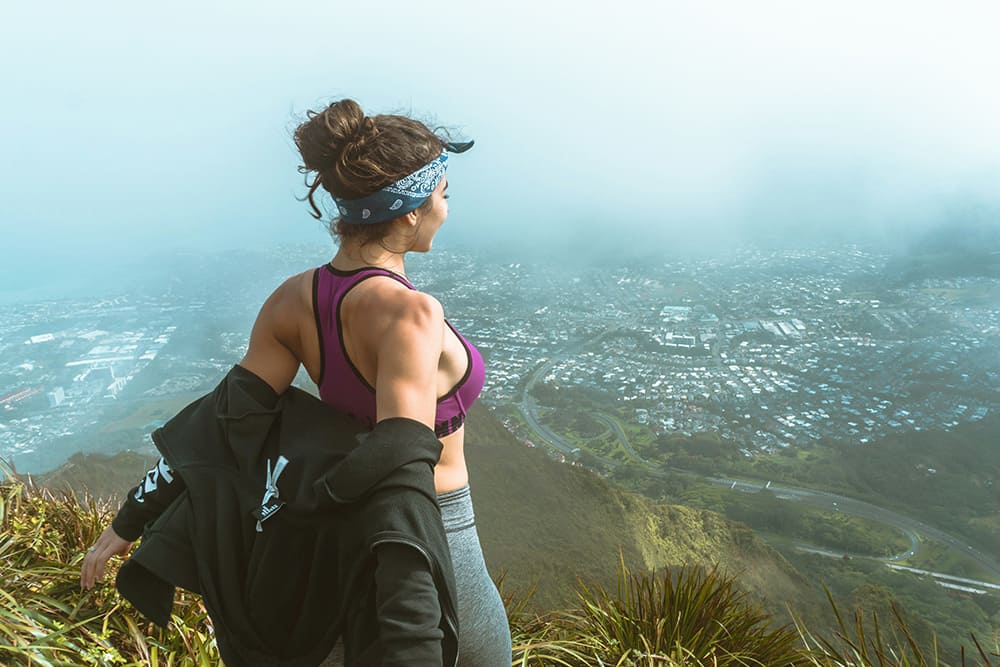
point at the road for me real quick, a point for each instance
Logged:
(616, 428)
(528, 408)
(831, 501)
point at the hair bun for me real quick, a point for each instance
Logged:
(327, 135)
(352, 155)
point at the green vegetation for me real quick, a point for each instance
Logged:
(932, 613)
(550, 526)
(945, 478)
(939, 558)
(867, 584)
(579, 415)
(547, 523)
(689, 616)
(45, 619)
(764, 511)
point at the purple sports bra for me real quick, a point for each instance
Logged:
(342, 385)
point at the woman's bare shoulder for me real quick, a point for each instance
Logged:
(386, 303)
(294, 293)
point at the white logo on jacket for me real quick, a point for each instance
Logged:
(271, 489)
(150, 483)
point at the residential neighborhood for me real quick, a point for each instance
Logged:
(767, 349)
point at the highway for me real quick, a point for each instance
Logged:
(527, 406)
(831, 501)
(529, 409)
(616, 428)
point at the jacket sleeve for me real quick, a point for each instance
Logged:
(407, 607)
(157, 490)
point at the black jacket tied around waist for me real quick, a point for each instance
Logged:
(282, 504)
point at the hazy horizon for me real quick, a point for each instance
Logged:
(131, 129)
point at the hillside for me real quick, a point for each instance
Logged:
(555, 522)
(549, 523)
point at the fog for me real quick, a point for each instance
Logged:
(128, 129)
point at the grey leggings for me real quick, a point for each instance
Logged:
(484, 636)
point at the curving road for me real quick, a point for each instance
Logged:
(551, 438)
(832, 501)
(616, 428)
(821, 500)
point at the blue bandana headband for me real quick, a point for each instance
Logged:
(401, 197)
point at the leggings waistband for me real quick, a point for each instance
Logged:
(456, 509)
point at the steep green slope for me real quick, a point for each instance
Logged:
(551, 522)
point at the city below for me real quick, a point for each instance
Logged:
(766, 349)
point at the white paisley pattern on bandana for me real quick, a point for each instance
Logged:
(397, 198)
(422, 182)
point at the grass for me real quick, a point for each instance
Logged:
(862, 643)
(689, 617)
(46, 620)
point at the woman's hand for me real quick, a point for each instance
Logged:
(106, 546)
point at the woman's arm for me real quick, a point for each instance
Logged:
(156, 491)
(408, 353)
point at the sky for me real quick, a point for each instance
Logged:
(132, 128)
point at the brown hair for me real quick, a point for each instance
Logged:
(354, 155)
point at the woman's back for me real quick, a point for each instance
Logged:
(346, 367)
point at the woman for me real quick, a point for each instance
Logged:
(377, 347)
